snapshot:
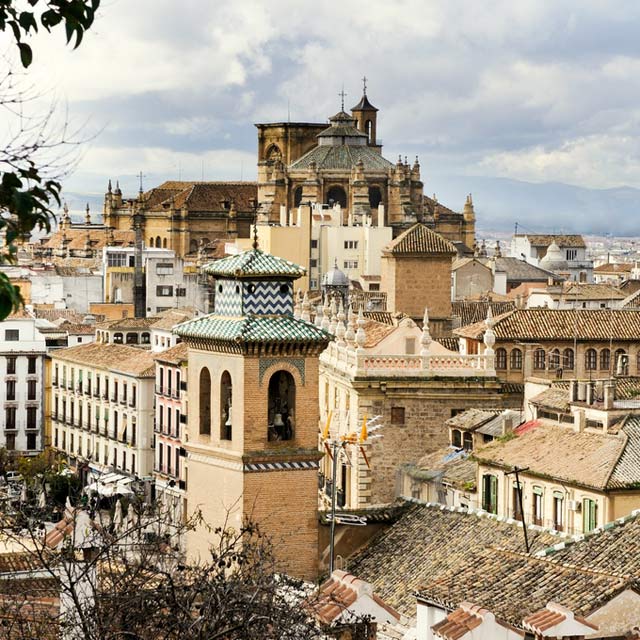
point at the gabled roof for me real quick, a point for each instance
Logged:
(175, 355)
(253, 263)
(470, 311)
(544, 240)
(252, 328)
(560, 324)
(518, 270)
(115, 357)
(611, 267)
(420, 240)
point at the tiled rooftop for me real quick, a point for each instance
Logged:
(175, 355)
(253, 263)
(343, 157)
(470, 311)
(116, 357)
(420, 240)
(544, 240)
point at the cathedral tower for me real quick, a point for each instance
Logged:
(253, 410)
(366, 116)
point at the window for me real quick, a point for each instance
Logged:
(622, 362)
(10, 441)
(397, 415)
(11, 389)
(490, 493)
(32, 417)
(374, 286)
(554, 359)
(11, 365)
(31, 441)
(571, 254)
(589, 515)
(226, 431)
(164, 269)
(10, 418)
(538, 498)
(164, 290)
(337, 195)
(32, 365)
(375, 195)
(568, 359)
(350, 264)
(314, 244)
(132, 338)
(118, 259)
(515, 358)
(31, 389)
(590, 359)
(281, 403)
(12, 335)
(205, 402)
(558, 511)
(118, 338)
(181, 292)
(501, 358)
(515, 501)
(350, 244)
(539, 359)
(467, 441)
(456, 438)
(605, 359)
(313, 263)
(160, 457)
(177, 467)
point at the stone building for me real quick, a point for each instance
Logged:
(253, 410)
(552, 343)
(406, 382)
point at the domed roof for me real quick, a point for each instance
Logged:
(554, 259)
(335, 278)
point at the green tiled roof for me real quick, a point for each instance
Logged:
(251, 263)
(342, 157)
(252, 328)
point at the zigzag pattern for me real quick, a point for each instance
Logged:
(281, 466)
(267, 299)
(227, 301)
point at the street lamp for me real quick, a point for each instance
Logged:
(334, 446)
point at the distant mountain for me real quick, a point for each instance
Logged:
(545, 207)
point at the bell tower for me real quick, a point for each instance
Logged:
(366, 116)
(253, 410)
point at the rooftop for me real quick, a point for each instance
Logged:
(343, 158)
(176, 355)
(563, 240)
(420, 240)
(470, 311)
(519, 270)
(115, 357)
(122, 324)
(253, 263)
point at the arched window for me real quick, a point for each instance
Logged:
(501, 358)
(539, 359)
(205, 402)
(146, 338)
(516, 359)
(367, 129)
(591, 359)
(297, 196)
(193, 246)
(274, 153)
(554, 359)
(622, 363)
(568, 359)
(605, 359)
(132, 338)
(282, 402)
(118, 338)
(151, 241)
(164, 243)
(226, 431)
(158, 242)
(337, 195)
(456, 438)
(467, 441)
(375, 197)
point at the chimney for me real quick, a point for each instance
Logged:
(609, 394)
(579, 421)
(582, 392)
(507, 423)
(573, 390)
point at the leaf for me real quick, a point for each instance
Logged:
(26, 55)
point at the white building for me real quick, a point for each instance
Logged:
(22, 355)
(102, 409)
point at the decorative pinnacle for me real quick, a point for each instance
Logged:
(364, 85)
(342, 95)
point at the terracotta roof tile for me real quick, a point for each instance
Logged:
(544, 240)
(176, 355)
(116, 357)
(470, 311)
(420, 240)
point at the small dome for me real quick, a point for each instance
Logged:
(335, 278)
(554, 259)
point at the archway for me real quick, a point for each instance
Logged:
(205, 402)
(273, 153)
(226, 426)
(375, 197)
(281, 404)
(337, 195)
(158, 242)
(297, 196)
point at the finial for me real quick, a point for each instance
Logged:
(297, 309)
(318, 321)
(350, 333)
(118, 192)
(340, 327)
(306, 308)
(364, 85)
(109, 186)
(425, 340)
(334, 318)
(326, 318)
(342, 95)
(406, 161)
(87, 215)
(140, 176)
(489, 335)
(361, 337)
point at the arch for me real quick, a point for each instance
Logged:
(568, 359)
(204, 404)
(118, 338)
(605, 359)
(456, 438)
(367, 129)
(539, 359)
(375, 197)
(297, 196)
(590, 359)
(146, 338)
(151, 241)
(554, 359)
(193, 246)
(158, 242)
(226, 426)
(515, 359)
(164, 243)
(337, 195)
(132, 338)
(273, 153)
(501, 358)
(281, 406)
(622, 362)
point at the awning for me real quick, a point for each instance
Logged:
(110, 484)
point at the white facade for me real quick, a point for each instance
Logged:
(22, 354)
(102, 416)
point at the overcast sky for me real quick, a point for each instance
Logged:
(524, 89)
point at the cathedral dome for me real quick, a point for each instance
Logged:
(554, 259)
(343, 131)
(335, 278)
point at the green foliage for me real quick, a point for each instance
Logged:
(77, 16)
(61, 486)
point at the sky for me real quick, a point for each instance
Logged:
(527, 90)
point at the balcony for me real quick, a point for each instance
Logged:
(96, 393)
(123, 400)
(54, 382)
(132, 403)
